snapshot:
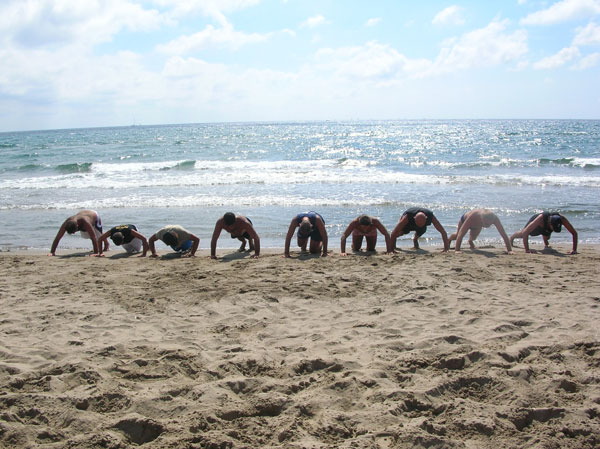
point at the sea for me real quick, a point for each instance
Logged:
(192, 174)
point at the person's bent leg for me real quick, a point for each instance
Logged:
(473, 234)
(315, 246)
(302, 244)
(357, 242)
(371, 242)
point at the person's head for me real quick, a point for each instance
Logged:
(420, 219)
(117, 238)
(229, 219)
(71, 226)
(304, 229)
(365, 220)
(170, 238)
(556, 223)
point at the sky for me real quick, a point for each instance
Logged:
(92, 63)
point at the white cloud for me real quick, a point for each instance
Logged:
(210, 37)
(371, 61)
(587, 62)
(558, 60)
(452, 15)
(215, 9)
(589, 35)
(485, 47)
(314, 21)
(47, 23)
(563, 11)
(372, 22)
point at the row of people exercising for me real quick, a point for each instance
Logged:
(311, 232)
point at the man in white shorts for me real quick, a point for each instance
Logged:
(126, 236)
(88, 223)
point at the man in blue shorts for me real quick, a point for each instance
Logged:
(544, 224)
(310, 226)
(175, 236)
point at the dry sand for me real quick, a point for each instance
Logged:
(415, 350)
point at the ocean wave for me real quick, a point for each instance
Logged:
(585, 163)
(83, 167)
(291, 175)
(185, 165)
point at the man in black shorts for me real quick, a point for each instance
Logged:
(127, 236)
(417, 219)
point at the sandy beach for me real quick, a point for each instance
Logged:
(413, 350)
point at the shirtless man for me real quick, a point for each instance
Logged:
(88, 223)
(474, 221)
(367, 227)
(544, 224)
(417, 219)
(240, 228)
(179, 239)
(127, 236)
(310, 226)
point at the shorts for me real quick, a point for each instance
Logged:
(97, 229)
(184, 248)
(135, 246)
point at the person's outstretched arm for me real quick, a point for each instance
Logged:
(195, 244)
(437, 225)
(153, 239)
(573, 232)
(144, 242)
(59, 235)
(215, 237)
(388, 241)
(524, 233)
(397, 232)
(345, 235)
(288, 237)
(502, 232)
(254, 236)
(101, 241)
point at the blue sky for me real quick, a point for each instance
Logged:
(85, 63)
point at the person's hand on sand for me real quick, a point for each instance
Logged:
(213, 257)
(573, 252)
(188, 255)
(154, 255)
(96, 255)
(51, 254)
(255, 256)
(343, 254)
